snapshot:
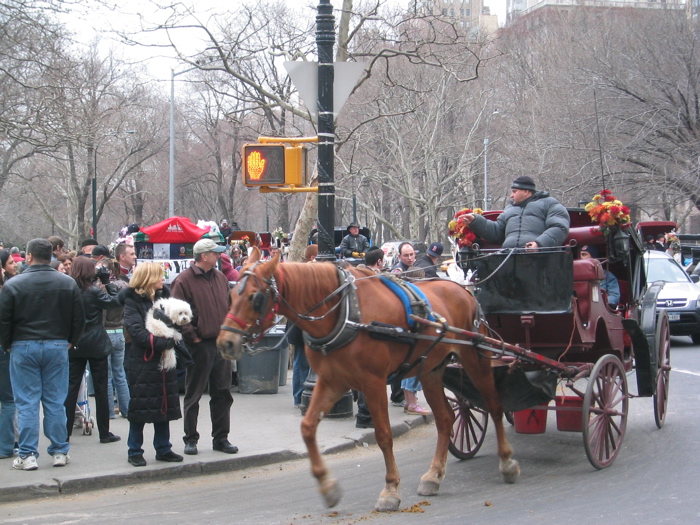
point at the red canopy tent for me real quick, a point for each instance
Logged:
(174, 230)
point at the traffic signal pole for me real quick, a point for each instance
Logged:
(325, 38)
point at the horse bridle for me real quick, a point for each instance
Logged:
(255, 331)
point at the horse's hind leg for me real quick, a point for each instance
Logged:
(444, 419)
(481, 374)
(378, 404)
(322, 401)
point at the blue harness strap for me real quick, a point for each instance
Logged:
(409, 304)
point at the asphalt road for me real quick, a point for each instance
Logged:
(653, 480)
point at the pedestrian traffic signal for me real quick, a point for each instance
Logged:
(277, 165)
(264, 165)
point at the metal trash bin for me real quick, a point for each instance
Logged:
(284, 364)
(260, 373)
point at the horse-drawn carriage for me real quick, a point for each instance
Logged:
(561, 333)
(547, 324)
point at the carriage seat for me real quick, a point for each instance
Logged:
(586, 271)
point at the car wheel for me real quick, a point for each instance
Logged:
(696, 338)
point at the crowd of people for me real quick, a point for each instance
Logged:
(64, 312)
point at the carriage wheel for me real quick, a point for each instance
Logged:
(469, 428)
(605, 408)
(663, 375)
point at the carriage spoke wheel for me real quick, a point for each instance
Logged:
(469, 428)
(605, 408)
(663, 374)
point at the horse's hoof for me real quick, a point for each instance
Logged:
(387, 504)
(510, 471)
(428, 488)
(331, 493)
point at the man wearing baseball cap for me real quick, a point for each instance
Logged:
(532, 220)
(430, 260)
(206, 290)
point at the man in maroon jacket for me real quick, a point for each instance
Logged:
(206, 290)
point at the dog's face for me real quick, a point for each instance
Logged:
(179, 312)
(182, 318)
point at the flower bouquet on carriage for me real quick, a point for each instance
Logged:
(608, 213)
(612, 219)
(463, 238)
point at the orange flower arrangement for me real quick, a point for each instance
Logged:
(608, 212)
(459, 230)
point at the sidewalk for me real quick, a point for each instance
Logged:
(265, 428)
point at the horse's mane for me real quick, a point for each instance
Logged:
(307, 283)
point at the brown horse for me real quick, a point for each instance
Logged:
(310, 295)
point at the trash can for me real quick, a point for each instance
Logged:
(260, 373)
(284, 364)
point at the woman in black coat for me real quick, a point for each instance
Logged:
(94, 347)
(154, 393)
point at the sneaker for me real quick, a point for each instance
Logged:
(61, 460)
(26, 463)
(191, 448)
(399, 403)
(416, 410)
(364, 423)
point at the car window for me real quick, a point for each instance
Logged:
(665, 270)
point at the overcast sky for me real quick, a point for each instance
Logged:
(92, 18)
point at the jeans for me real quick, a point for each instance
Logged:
(300, 371)
(98, 371)
(39, 371)
(411, 384)
(161, 438)
(117, 375)
(8, 410)
(209, 367)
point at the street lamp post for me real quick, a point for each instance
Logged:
(171, 179)
(486, 174)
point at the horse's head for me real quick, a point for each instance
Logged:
(253, 306)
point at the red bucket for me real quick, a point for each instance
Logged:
(530, 421)
(569, 420)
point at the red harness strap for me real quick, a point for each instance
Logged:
(236, 320)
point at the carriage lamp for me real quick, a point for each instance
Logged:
(621, 242)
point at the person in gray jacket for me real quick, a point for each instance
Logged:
(533, 220)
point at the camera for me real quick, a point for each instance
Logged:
(103, 274)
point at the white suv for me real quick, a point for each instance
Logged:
(680, 296)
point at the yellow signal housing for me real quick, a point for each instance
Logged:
(295, 165)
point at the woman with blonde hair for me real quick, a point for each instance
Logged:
(154, 392)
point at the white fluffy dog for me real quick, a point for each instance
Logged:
(165, 319)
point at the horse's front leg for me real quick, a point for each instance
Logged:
(322, 401)
(378, 404)
(444, 420)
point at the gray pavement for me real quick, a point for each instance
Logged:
(265, 427)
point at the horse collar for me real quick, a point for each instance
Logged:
(345, 330)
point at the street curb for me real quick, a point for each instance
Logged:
(163, 472)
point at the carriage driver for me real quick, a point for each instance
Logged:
(354, 244)
(533, 219)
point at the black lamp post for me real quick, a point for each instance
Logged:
(325, 38)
